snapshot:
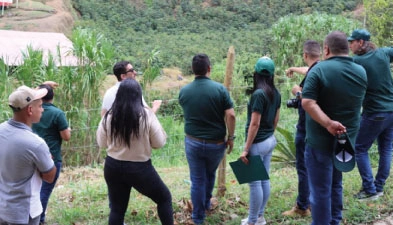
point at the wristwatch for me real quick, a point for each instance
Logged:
(233, 137)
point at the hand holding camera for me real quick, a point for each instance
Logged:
(294, 102)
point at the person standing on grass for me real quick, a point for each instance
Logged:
(25, 160)
(208, 116)
(263, 113)
(311, 56)
(122, 70)
(129, 131)
(377, 115)
(53, 128)
(332, 98)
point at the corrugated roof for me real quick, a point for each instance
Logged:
(14, 43)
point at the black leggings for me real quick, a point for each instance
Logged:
(122, 176)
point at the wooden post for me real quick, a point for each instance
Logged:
(227, 83)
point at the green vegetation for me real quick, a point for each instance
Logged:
(179, 29)
(379, 14)
(155, 34)
(81, 198)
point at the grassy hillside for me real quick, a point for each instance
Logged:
(179, 29)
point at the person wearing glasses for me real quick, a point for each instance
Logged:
(122, 70)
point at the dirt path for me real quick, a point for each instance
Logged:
(52, 16)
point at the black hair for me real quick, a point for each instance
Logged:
(120, 68)
(200, 64)
(49, 95)
(366, 47)
(337, 43)
(264, 81)
(312, 48)
(127, 111)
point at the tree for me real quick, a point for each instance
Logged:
(379, 22)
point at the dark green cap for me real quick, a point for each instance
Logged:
(343, 154)
(265, 63)
(359, 34)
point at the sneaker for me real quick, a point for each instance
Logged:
(362, 196)
(380, 193)
(261, 221)
(296, 211)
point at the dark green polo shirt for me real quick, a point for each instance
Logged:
(259, 102)
(204, 103)
(52, 121)
(338, 85)
(379, 94)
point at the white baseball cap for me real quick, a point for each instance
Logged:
(24, 95)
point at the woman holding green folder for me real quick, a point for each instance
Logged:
(263, 111)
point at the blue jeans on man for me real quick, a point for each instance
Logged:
(302, 200)
(46, 190)
(325, 183)
(377, 126)
(203, 160)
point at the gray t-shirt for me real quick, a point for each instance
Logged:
(22, 154)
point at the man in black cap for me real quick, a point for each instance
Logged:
(377, 115)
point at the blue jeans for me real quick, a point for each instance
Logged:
(260, 190)
(203, 160)
(302, 200)
(325, 183)
(122, 176)
(377, 126)
(46, 190)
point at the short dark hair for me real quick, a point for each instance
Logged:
(49, 95)
(337, 43)
(200, 64)
(312, 48)
(120, 68)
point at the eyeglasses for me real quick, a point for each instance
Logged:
(130, 70)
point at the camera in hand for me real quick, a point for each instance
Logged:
(294, 102)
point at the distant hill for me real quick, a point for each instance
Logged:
(50, 16)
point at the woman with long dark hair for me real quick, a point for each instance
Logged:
(263, 111)
(130, 131)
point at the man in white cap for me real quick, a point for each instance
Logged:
(24, 160)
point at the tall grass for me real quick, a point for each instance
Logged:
(81, 198)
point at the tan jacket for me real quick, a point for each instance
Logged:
(151, 136)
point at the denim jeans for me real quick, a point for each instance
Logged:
(46, 190)
(325, 183)
(260, 190)
(203, 160)
(377, 126)
(122, 176)
(302, 200)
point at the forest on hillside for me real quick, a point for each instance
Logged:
(169, 32)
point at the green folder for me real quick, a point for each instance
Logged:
(255, 170)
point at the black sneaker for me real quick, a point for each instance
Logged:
(362, 195)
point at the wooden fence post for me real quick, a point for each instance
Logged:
(227, 83)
